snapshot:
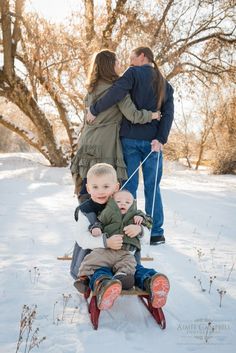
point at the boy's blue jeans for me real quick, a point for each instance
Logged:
(134, 152)
(140, 275)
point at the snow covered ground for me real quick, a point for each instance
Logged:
(36, 225)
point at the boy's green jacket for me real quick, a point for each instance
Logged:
(113, 222)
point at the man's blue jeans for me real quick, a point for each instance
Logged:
(135, 152)
(141, 274)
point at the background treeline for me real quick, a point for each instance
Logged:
(44, 68)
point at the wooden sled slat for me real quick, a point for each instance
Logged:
(65, 258)
(147, 258)
(134, 291)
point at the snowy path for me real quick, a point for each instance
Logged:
(36, 225)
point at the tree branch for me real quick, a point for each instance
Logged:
(220, 36)
(19, 5)
(89, 19)
(162, 20)
(26, 135)
(108, 6)
(111, 22)
(220, 68)
(53, 93)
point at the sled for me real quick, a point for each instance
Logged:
(94, 312)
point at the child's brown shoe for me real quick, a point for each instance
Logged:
(82, 284)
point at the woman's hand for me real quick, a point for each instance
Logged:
(156, 115)
(132, 230)
(115, 242)
(90, 117)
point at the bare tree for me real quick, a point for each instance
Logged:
(184, 137)
(209, 119)
(195, 38)
(224, 133)
(15, 90)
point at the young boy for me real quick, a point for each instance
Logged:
(120, 211)
(101, 185)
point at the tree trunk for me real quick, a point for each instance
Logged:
(199, 156)
(19, 94)
(6, 38)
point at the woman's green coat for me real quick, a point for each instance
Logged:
(99, 142)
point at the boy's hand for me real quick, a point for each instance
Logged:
(132, 230)
(138, 220)
(96, 232)
(115, 242)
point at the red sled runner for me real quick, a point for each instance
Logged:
(94, 311)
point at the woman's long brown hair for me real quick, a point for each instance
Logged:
(159, 81)
(102, 67)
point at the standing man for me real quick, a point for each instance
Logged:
(149, 90)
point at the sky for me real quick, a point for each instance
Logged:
(55, 10)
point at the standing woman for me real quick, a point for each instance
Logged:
(149, 90)
(99, 140)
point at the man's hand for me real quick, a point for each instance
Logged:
(90, 117)
(96, 232)
(138, 220)
(132, 230)
(156, 146)
(115, 242)
(156, 115)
